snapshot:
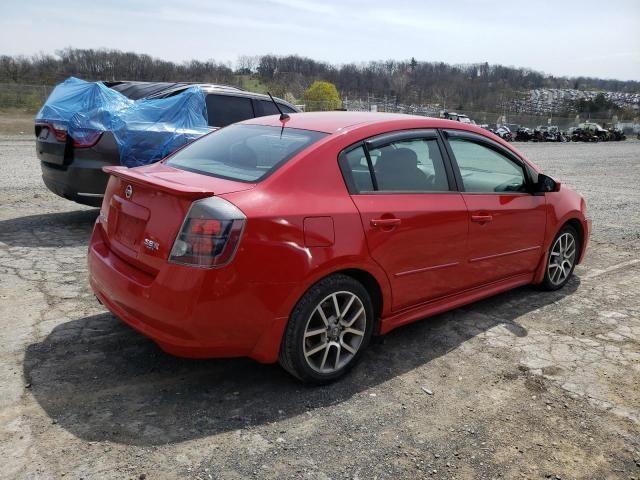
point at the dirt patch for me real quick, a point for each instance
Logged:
(16, 122)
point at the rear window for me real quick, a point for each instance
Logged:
(247, 153)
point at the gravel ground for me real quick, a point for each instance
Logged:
(523, 385)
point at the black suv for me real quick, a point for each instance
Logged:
(75, 172)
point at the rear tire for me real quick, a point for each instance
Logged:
(328, 329)
(561, 259)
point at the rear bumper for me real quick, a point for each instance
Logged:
(188, 312)
(51, 150)
(76, 173)
(83, 182)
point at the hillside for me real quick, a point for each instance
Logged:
(477, 87)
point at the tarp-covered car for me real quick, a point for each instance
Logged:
(85, 126)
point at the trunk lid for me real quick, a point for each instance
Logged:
(145, 207)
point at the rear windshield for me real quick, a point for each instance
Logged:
(247, 153)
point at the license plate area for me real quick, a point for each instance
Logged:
(44, 133)
(128, 222)
(129, 230)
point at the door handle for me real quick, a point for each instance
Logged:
(385, 222)
(481, 218)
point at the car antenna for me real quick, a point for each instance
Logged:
(284, 118)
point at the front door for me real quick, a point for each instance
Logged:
(506, 222)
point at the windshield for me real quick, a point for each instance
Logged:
(247, 153)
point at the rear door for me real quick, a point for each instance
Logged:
(414, 220)
(506, 221)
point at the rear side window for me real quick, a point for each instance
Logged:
(268, 108)
(356, 162)
(483, 170)
(224, 110)
(247, 153)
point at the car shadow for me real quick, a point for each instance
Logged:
(64, 229)
(101, 380)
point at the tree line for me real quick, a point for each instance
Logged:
(471, 86)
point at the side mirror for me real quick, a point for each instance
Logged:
(546, 184)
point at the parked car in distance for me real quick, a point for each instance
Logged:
(73, 170)
(457, 117)
(297, 240)
(595, 130)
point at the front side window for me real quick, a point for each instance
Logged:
(484, 170)
(410, 165)
(247, 153)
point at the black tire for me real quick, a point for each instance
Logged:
(548, 283)
(292, 354)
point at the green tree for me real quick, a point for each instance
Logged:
(322, 95)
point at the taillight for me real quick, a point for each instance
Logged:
(59, 131)
(86, 139)
(209, 235)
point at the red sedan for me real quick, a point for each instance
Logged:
(297, 241)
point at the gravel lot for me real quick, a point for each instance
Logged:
(524, 385)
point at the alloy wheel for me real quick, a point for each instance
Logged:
(562, 258)
(334, 332)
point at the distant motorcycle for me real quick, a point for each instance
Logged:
(523, 134)
(553, 134)
(616, 134)
(539, 135)
(504, 133)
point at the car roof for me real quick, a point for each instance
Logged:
(136, 90)
(331, 122)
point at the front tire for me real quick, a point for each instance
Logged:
(328, 329)
(562, 258)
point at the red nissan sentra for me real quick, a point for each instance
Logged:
(298, 240)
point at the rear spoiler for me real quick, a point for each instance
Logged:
(178, 189)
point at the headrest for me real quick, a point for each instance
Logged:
(397, 159)
(405, 158)
(243, 157)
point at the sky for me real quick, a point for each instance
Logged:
(563, 38)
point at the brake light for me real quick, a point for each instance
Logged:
(86, 140)
(210, 234)
(206, 227)
(59, 131)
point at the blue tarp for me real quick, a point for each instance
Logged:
(145, 130)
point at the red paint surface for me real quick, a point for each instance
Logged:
(303, 225)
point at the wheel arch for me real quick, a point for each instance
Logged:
(267, 348)
(372, 286)
(578, 225)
